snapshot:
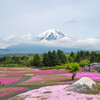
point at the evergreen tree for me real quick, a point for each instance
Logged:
(87, 54)
(37, 60)
(45, 59)
(78, 57)
(82, 54)
(72, 55)
(70, 59)
(49, 58)
(55, 59)
(93, 57)
(98, 58)
(61, 56)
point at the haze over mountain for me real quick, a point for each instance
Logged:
(48, 40)
(48, 36)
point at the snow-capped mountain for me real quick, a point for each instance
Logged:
(50, 35)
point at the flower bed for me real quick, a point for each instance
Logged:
(8, 80)
(10, 90)
(34, 78)
(16, 89)
(4, 94)
(46, 80)
(92, 75)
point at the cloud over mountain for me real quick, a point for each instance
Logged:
(51, 38)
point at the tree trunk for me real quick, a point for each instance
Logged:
(73, 76)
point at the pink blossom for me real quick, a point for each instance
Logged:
(34, 78)
(92, 75)
(4, 94)
(57, 92)
(43, 72)
(17, 89)
(8, 80)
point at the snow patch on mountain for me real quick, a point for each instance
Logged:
(51, 35)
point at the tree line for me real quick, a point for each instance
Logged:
(51, 58)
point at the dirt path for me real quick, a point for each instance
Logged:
(15, 85)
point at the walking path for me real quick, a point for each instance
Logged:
(15, 85)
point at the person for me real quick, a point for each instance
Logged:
(3, 84)
(0, 83)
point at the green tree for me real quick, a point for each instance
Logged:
(70, 59)
(78, 57)
(82, 54)
(37, 60)
(73, 68)
(49, 58)
(55, 59)
(16, 60)
(61, 56)
(87, 54)
(84, 63)
(7, 60)
(45, 59)
(93, 57)
(72, 55)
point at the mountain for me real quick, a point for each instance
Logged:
(30, 48)
(50, 35)
(4, 50)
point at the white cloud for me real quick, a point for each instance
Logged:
(9, 38)
(91, 43)
(68, 42)
(27, 36)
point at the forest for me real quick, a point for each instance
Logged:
(50, 59)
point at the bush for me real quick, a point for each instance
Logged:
(48, 68)
(55, 67)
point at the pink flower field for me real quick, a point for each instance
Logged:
(8, 80)
(16, 89)
(10, 90)
(34, 78)
(48, 72)
(60, 78)
(4, 94)
(92, 75)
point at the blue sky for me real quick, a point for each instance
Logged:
(79, 19)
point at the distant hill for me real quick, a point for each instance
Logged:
(32, 49)
(28, 48)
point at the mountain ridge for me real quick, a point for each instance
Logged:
(52, 34)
